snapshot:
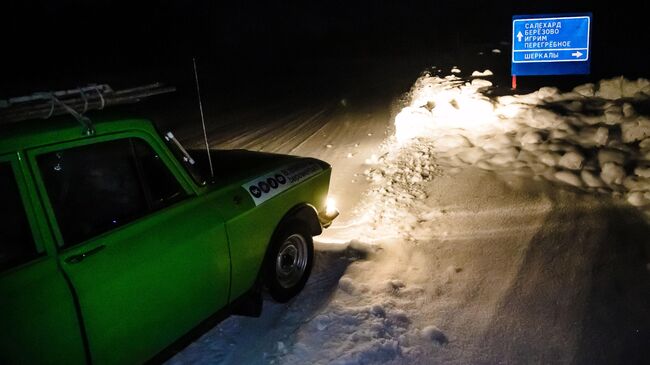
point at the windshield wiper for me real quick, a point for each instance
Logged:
(169, 137)
(183, 156)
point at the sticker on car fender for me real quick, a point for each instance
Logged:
(269, 185)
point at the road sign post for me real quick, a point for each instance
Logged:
(551, 44)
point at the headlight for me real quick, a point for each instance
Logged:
(330, 207)
(329, 214)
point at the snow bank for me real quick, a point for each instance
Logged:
(591, 138)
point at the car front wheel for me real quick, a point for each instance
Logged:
(289, 262)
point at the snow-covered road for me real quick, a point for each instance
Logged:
(461, 244)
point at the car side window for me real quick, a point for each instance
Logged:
(102, 186)
(17, 244)
(162, 187)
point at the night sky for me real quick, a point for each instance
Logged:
(51, 42)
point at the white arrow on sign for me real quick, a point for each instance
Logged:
(576, 54)
(519, 36)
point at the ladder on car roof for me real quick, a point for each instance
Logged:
(76, 102)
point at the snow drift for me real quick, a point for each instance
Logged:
(592, 138)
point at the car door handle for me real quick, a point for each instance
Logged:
(75, 259)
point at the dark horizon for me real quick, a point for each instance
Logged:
(67, 42)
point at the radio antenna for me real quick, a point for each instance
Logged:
(205, 134)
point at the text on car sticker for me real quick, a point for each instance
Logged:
(267, 186)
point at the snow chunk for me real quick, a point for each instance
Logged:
(575, 106)
(587, 90)
(610, 89)
(620, 87)
(321, 321)
(635, 130)
(632, 88)
(471, 155)
(591, 136)
(501, 159)
(590, 179)
(634, 183)
(455, 70)
(610, 155)
(549, 158)
(569, 178)
(398, 316)
(448, 142)
(281, 347)
(642, 171)
(478, 83)
(484, 165)
(496, 51)
(548, 92)
(494, 143)
(506, 157)
(628, 110)
(527, 157)
(378, 311)
(433, 333)
(612, 173)
(645, 144)
(638, 199)
(613, 114)
(559, 134)
(396, 284)
(572, 161)
(531, 138)
(347, 285)
(482, 74)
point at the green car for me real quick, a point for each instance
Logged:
(113, 249)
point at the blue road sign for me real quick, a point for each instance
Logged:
(551, 44)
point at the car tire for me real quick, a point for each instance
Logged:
(289, 261)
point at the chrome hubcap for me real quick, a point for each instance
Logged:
(291, 262)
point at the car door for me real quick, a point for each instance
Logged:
(38, 320)
(148, 259)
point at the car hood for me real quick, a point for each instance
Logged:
(232, 166)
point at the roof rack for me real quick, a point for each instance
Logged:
(75, 102)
